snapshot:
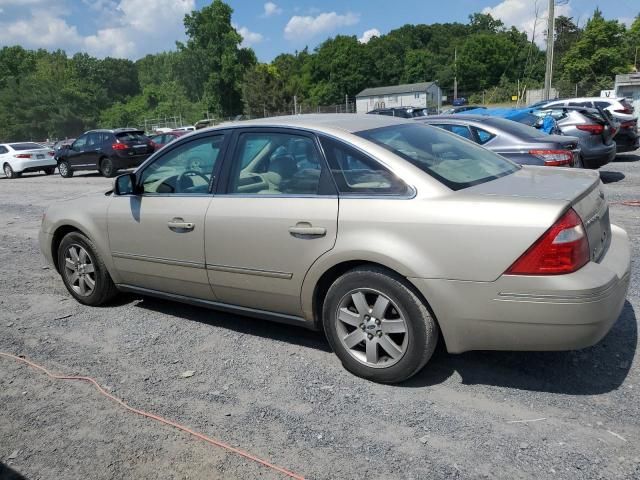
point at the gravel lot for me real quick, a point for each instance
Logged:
(279, 392)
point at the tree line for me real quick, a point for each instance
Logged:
(47, 94)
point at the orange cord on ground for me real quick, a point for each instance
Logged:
(158, 418)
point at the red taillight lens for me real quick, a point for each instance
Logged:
(119, 146)
(553, 158)
(23, 155)
(628, 124)
(564, 248)
(592, 129)
(51, 154)
(626, 110)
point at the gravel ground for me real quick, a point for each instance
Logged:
(279, 392)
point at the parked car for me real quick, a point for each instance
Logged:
(620, 108)
(517, 142)
(458, 102)
(378, 238)
(21, 157)
(464, 108)
(162, 139)
(401, 112)
(187, 128)
(106, 151)
(593, 128)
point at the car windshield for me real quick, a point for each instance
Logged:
(455, 162)
(26, 146)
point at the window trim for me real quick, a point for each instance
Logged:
(326, 187)
(215, 179)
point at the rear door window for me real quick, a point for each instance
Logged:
(483, 135)
(356, 173)
(461, 130)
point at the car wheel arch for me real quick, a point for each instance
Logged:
(332, 273)
(63, 230)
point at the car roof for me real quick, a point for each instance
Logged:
(324, 122)
(115, 130)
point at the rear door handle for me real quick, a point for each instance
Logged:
(180, 224)
(305, 229)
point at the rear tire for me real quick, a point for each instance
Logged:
(579, 162)
(83, 271)
(106, 167)
(378, 326)
(65, 169)
(9, 173)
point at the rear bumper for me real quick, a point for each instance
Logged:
(25, 165)
(129, 161)
(597, 157)
(563, 312)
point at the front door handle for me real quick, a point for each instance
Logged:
(305, 229)
(179, 224)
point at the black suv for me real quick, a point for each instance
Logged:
(106, 151)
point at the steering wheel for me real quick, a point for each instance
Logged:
(190, 173)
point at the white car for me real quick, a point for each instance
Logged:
(619, 107)
(20, 157)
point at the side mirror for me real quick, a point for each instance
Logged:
(125, 184)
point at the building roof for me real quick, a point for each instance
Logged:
(395, 89)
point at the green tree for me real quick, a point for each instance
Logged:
(212, 63)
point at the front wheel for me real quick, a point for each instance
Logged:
(377, 325)
(83, 271)
(65, 169)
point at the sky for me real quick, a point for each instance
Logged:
(134, 28)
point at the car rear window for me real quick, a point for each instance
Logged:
(455, 162)
(131, 136)
(26, 146)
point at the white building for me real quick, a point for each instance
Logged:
(419, 95)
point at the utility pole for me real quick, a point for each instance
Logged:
(455, 73)
(346, 103)
(295, 105)
(548, 74)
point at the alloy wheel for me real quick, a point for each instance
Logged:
(62, 168)
(79, 270)
(372, 328)
(7, 171)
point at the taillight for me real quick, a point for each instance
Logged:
(553, 158)
(596, 129)
(564, 248)
(23, 155)
(628, 124)
(626, 110)
(119, 146)
(51, 154)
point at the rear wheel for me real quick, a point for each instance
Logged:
(579, 162)
(49, 171)
(377, 325)
(83, 271)
(65, 169)
(9, 173)
(106, 167)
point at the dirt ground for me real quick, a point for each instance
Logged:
(278, 391)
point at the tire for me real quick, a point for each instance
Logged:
(9, 173)
(406, 328)
(579, 163)
(106, 167)
(49, 171)
(84, 274)
(64, 169)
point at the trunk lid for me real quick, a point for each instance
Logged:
(580, 189)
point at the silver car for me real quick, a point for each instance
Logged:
(385, 233)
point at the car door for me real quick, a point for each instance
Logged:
(76, 153)
(93, 149)
(276, 213)
(157, 236)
